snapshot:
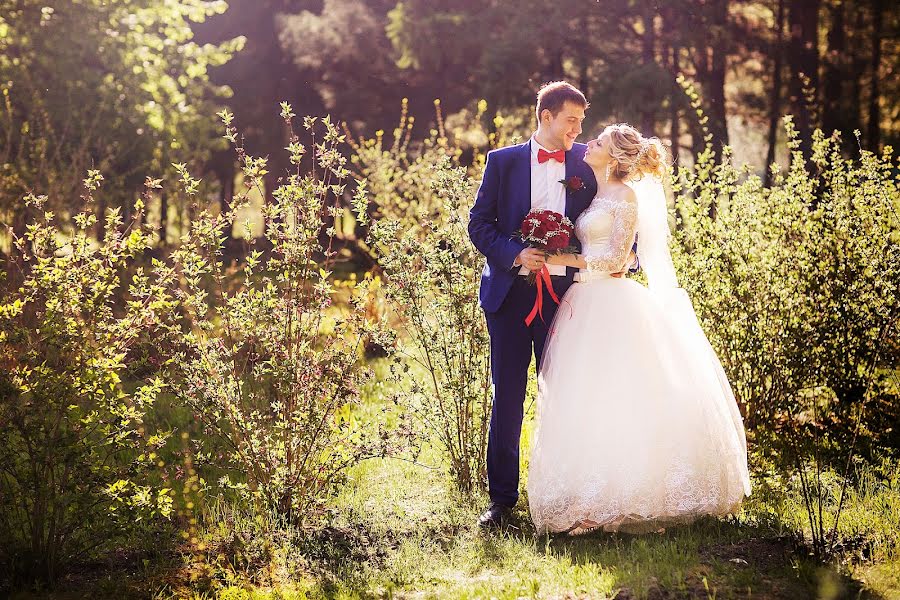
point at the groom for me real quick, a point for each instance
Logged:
(517, 179)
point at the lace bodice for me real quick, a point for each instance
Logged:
(606, 231)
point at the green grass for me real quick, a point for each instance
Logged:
(398, 531)
(432, 550)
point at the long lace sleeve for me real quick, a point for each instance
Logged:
(611, 258)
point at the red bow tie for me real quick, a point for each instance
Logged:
(544, 156)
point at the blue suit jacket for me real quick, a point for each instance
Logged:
(503, 200)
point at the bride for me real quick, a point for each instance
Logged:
(637, 426)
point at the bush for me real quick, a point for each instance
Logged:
(796, 284)
(416, 229)
(74, 450)
(431, 275)
(798, 287)
(271, 369)
(401, 176)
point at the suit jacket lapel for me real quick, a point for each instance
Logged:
(521, 178)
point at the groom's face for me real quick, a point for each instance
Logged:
(565, 127)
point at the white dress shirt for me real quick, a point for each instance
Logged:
(547, 192)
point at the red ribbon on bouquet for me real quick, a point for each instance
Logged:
(543, 276)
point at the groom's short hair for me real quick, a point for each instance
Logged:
(554, 95)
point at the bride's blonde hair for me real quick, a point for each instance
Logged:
(632, 155)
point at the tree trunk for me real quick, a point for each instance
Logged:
(226, 189)
(702, 69)
(718, 123)
(101, 218)
(858, 64)
(775, 95)
(710, 62)
(163, 217)
(835, 116)
(715, 85)
(583, 79)
(674, 101)
(803, 55)
(270, 183)
(648, 56)
(873, 133)
(556, 66)
(670, 31)
(15, 265)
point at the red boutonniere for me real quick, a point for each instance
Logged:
(573, 183)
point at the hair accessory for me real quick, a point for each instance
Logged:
(645, 146)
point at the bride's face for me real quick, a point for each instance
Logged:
(597, 154)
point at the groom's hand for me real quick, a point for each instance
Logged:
(531, 258)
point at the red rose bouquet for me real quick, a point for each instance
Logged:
(548, 231)
(552, 232)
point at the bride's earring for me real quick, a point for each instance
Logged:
(608, 169)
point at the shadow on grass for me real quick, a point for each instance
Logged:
(138, 564)
(709, 558)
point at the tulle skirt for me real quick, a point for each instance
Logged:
(637, 426)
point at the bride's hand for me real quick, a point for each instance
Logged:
(626, 267)
(556, 259)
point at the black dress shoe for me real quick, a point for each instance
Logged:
(495, 516)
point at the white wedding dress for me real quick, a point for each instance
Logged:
(637, 426)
